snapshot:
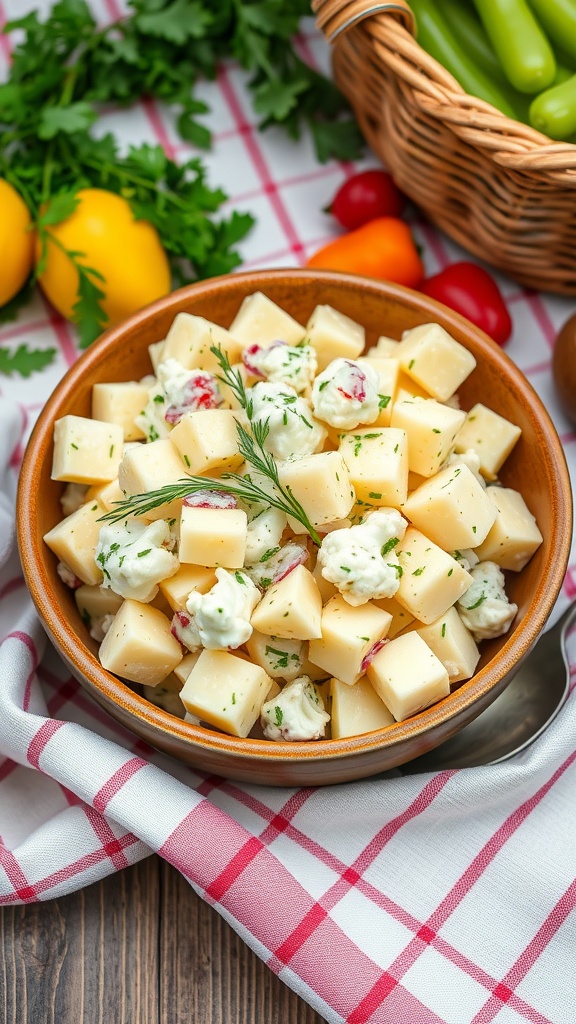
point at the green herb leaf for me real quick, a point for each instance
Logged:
(24, 360)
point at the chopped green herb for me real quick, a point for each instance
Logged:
(389, 546)
(158, 398)
(419, 571)
(75, 446)
(384, 401)
(278, 713)
(145, 552)
(323, 385)
(477, 604)
(239, 578)
(443, 631)
(268, 554)
(375, 494)
(186, 460)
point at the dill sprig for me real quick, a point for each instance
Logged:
(251, 447)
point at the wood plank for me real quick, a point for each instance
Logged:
(137, 948)
(208, 974)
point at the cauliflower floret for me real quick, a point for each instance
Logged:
(361, 560)
(345, 394)
(264, 533)
(67, 576)
(467, 558)
(296, 713)
(468, 458)
(176, 392)
(293, 431)
(485, 609)
(100, 626)
(72, 498)
(276, 563)
(219, 619)
(134, 557)
(281, 363)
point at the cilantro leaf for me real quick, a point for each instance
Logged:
(24, 360)
(88, 313)
(75, 118)
(178, 22)
(59, 208)
(275, 99)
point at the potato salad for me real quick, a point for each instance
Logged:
(276, 535)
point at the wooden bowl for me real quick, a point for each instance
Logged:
(536, 467)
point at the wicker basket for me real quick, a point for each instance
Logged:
(502, 190)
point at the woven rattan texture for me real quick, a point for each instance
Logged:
(502, 190)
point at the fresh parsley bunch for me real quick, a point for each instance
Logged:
(66, 67)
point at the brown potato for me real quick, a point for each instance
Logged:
(564, 367)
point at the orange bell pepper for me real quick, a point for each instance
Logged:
(382, 248)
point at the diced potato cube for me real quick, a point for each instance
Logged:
(94, 602)
(190, 339)
(435, 360)
(386, 347)
(490, 435)
(290, 609)
(401, 617)
(327, 589)
(407, 388)
(280, 658)
(388, 371)
(431, 579)
(207, 440)
(431, 429)
(166, 695)
(213, 536)
(139, 645)
(73, 540)
(226, 691)
(120, 403)
(356, 709)
(514, 536)
(183, 670)
(452, 508)
(177, 589)
(408, 676)
(334, 335)
(86, 451)
(156, 350)
(108, 495)
(453, 644)
(377, 461)
(149, 467)
(322, 486)
(230, 400)
(348, 634)
(259, 321)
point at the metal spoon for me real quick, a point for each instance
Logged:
(518, 716)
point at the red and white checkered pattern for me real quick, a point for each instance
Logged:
(435, 899)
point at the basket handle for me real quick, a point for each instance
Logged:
(334, 17)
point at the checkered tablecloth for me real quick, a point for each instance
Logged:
(434, 899)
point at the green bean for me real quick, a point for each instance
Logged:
(520, 44)
(553, 112)
(435, 36)
(470, 31)
(558, 19)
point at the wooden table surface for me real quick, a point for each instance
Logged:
(137, 948)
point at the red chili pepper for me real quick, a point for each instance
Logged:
(471, 291)
(364, 197)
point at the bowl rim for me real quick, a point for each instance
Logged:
(105, 687)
